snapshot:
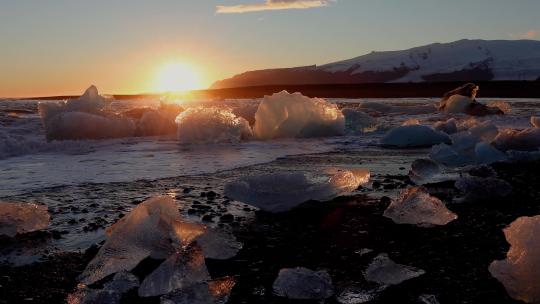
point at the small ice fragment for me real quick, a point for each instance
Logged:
(448, 127)
(285, 115)
(358, 121)
(218, 245)
(428, 299)
(424, 171)
(535, 121)
(363, 251)
(415, 206)
(212, 292)
(111, 293)
(19, 218)
(478, 188)
(153, 228)
(487, 154)
(411, 122)
(355, 295)
(485, 131)
(414, 136)
(180, 270)
(122, 282)
(211, 125)
(384, 271)
(520, 271)
(303, 284)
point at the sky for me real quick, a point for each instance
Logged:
(60, 47)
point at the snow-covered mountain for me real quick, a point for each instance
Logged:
(463, 60)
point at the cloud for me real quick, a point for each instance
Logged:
(530, 34)
(271, 5)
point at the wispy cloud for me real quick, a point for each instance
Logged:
(530, 34)
(271, 5)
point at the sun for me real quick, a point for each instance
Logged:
(177, 77)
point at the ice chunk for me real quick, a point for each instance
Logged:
(154, 228)
(279, 192)
(156, 122)
(358, 121)
(19, 218)
(485, 131)
(303, 284)
(415, 206)
(214, 292)
(448, 127)
(180, 270)
(457, 104)
(83, 118)
(384, 271)
(414, 136)
(535, 121)
(285, 115)
(354, 295)
(520, 271)
(524, 140)
(218, 245)
(500, 105)
(110, 294)
(479, 188)
(80, 125)
(211, 125)
(487, 154)
(428, 299)
(411, 122)
(425, 171)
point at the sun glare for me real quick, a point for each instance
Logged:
(177, 77)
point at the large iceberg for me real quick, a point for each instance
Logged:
(279, 192)
(83, 118)
(463, 100)
(520, 271)
(415, 206)
(19, 218)
(303, 284)
(211, 125)
(413, 136)
(285, 115)
(384, 271)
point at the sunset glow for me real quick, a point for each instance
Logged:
(177, 77)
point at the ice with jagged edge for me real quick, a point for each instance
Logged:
(83, 118)
(357, 121)
(413, 136)
(202, 125)
(183, 268)
(111, 293)
(520, 271)
(425, 171)
(18, 218)
(279, 192)
(285, 115)
(383, 271)
(416, 207)
(303, 284)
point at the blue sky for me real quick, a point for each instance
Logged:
(61, 46)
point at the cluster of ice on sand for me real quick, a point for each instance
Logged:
(476, 145)
(303, 284)
(110, 294)
(520, 140)
(415, 206)
(211, 125)
(285, 115)
(425, 171)
(83, 118)
(358, 122)
(371, 106)
(520, 271)
(156, 229)
(411, 136)
(279, 192)
(483, 188)
(383, 271)
(19, 218)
